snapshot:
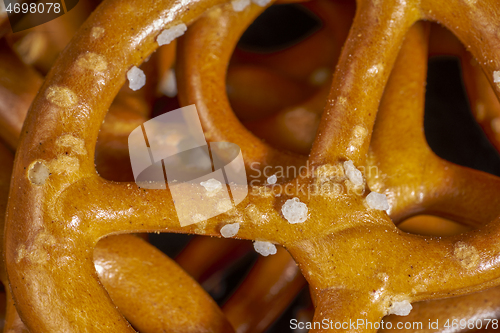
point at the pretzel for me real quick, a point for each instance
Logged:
(121, 261)
(298, 246)
(197, 76)
(111, 132)
(120, 256)
(126, 257)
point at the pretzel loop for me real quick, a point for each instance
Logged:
(41, 246)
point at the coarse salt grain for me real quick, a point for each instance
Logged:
(240, 5)
(496, 76)
(400, 308)
(136, 78)
(354, 175)
(261, 3)
(38, 173)
(212, 185)
(377, 201)
(168, 35)
(230, 230)
(272, 179)
(264, 248)
(294, 211)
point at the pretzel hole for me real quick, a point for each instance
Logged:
(276, 30)
(279, 101)
(428, 225)
(450, 128)
(129, 110)
(279, 27)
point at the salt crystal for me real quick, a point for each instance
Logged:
(136, 78)
(272, 179)
(168, 35)
(294, 211)
(354, 175)
(261, 3)
(377, 201)
(400, 308)
(212, 185)
(168, 85)
(230, 230)
(240, 5)
(496, 76)
(38, 173)
(264, 248)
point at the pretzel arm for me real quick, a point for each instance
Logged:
(149, 288)
(204, 84)
(128, 209)
(434, 186)
(464, 263)
(270, 286)
(365, 64)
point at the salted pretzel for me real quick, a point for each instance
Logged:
(421, 208)
(121, 256)
(114, 130)
(240, 316)
(78, 176)
(234, 308)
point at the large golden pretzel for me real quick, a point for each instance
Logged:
(357, 262)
